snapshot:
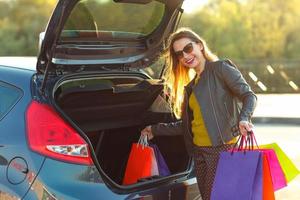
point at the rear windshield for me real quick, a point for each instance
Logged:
(9, 95)
(103, 18)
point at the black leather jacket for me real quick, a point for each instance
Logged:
(220, 88)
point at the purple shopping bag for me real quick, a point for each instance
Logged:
(239, 176)
(161, 163)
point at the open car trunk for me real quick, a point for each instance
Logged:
(112, 109)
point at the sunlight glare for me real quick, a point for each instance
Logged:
(190, 6)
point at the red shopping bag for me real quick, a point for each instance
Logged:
(139, 164)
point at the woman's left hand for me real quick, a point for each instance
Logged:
(244, 127)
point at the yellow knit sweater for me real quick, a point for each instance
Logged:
(200, 134)
(199, 131)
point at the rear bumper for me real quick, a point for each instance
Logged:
(58, 180)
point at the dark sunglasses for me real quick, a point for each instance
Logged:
(186, 49)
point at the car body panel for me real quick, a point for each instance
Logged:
(25, 174)
(54, 179)
(71, 181)
(13, 142)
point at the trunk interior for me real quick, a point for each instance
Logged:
(112, 110)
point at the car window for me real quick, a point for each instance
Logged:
(9, 95)
(94, 18)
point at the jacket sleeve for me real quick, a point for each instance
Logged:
(240, 88)
(173, 128)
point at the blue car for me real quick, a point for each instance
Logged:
(68, 118)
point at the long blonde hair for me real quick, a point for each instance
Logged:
(176, 75)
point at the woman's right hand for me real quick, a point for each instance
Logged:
(147, 131)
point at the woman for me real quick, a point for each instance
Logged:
(210, 118)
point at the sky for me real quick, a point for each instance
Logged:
(190, 6)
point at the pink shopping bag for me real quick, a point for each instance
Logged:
(278, 177)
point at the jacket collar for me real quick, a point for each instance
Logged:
(192, 82)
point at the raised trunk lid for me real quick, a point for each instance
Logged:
(106, 32)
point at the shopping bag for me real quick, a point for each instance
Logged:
(268, 190)
(289, 169)
(154, 165)
(163, 169)
(277, 175)
(276, 172)
(139, 164)
(239, 175)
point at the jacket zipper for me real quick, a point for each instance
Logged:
(214, 110)
(187, 116)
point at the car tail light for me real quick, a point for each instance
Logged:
(49, 135)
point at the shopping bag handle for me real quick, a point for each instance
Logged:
(245, 143)
(249, 141)
(238, 144)
(253, 139)
(143, 141)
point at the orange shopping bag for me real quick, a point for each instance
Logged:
(268, 190)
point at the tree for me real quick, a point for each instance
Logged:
(23, 22)
(249, 29)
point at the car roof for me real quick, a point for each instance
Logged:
(26, 62)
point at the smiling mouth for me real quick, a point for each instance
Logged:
(190, 61)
